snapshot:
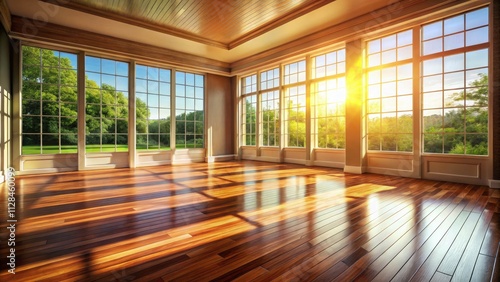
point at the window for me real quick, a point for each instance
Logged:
(329, 96)
(152, 108)
(390, 93)
(295, 104)
(455, 84)
(270, 107)
(106, 94)
(49, 101)
(249, 111)
(189, 110)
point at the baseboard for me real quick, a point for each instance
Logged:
(329, 164)
(222, 158)
(354, 169)
(494, 184)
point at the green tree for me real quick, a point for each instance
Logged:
(50, 91)
(461, 130)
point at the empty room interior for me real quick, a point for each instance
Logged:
(228, 140)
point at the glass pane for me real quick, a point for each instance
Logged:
(453, 98)
(454, 80)
(388, 56)
(405, 38)
(405, 142)
(50, 144)
(454, 144)
(141, 142)
(405, 103)
(31, 124)
(433, 121)
(433, 100)
(432, 83)
(454, 62)
(454, 41)
(405, 87)
(69, 125)
(433, 143)
(31, 144)
(454, 25)
(405, 53)
(374, 141)
(389, 142)
(93, 142)
(69, 143)
(141, 71)
(477, 59)
(374, 46)
(433, 66)
(476, 120)
(476, 36)
(432, 30)
(476, 18)
(432, 46)
(477, 144)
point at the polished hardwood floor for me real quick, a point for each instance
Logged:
(250, 221)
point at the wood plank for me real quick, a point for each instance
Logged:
(264, 222)
(483, 268)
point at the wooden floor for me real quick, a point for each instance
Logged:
(250, 221)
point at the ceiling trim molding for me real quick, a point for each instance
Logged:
(5, 17)
(405, 12)
(31, 30)
(295, 13)
(140, 23)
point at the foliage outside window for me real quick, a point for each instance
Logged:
(455, 84)
(106, 94)
(329, 95)
(390, 93)
(270, 107)
(249, 113)
(295, 104)
(189, 110)
(153, 119)
(49, 101)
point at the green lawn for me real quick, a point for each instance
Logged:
(72, 149)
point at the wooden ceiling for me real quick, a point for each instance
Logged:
(221, 23)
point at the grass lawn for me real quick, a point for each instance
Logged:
(72, 149)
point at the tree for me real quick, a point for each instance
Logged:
(464, 129)
(50, 93)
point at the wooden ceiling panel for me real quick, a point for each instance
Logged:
(222, 23)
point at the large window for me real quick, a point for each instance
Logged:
(295, 104)
(390, 93)
(329, 94)
(249, 111)
(270, 107)
(152, 87)
(106, 94)
(189, 110)
(455, 84)
(49, 101)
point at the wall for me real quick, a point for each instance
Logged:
(5, 102)
(219, 105)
